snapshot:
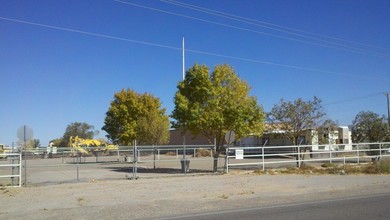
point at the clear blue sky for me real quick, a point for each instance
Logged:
(62, 61)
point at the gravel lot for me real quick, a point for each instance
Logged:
(151, 198)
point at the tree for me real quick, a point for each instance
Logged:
(326, 131)
(33, 143)
(213, 104)
(132, 116)
(153, 129)
(58, 142)
(80, 129)
(369, 127)
(296, 118)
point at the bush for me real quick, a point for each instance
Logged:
(327, 165)
(384, 165)
(203, 153)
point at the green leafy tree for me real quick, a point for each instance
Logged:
(296, 118)
(213, 104)
(132, 116)
(80, 129)
(153, 129)
(326, 131)
(57, 142)
(369, 127)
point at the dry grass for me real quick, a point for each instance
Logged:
(170, 153)
(381, 167)
(223, 196)
(203, 153)
(80, 201)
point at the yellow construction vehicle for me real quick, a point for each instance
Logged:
(88, 146)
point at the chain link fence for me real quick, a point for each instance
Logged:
(45, 166)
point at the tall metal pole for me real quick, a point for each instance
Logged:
(183, 61)
(25, 159)
(184, 160)
(388, 108)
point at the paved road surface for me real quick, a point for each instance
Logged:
(356, 208)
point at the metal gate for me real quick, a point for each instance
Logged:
(11, 169)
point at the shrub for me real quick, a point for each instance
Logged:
(327, 165)
(170, 153)
(203, 153)
(384, 165)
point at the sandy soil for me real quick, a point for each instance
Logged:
(172, 196)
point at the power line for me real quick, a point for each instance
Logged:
(354, 99)
(88, 33)
(188, 50)
(284, 65)
(271, 26)
(357, 51)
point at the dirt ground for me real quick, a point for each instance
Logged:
(154, 198)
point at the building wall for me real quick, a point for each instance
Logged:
(177, 138)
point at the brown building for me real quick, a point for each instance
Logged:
(177, 138)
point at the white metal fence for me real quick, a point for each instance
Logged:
(283, 156)
(45, 166)
(11, 169)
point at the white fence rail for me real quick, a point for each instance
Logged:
(53, 165)
(282, 155)
(11, 168)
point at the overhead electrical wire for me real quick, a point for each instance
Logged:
(188, 50)
(357, 51)
(353, 99)
(88, 33)
(269, 25)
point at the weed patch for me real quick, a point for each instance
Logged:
(203, 153)
(381, 167)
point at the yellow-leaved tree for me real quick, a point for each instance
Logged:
(133, 116)
(211, 104)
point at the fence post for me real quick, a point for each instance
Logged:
(154, 156)
(158, 154)
(358, 153)
(262, 156)
(77, 164)
(299, 156)
(135, 160)
(330, 154)
(117, 151)
(25, 166)
(380, 150)
(227, 159)
(20, 170)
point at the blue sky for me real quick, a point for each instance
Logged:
(62, 61)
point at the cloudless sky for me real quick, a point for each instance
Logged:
(62, 61)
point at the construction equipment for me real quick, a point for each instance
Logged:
(88, 146)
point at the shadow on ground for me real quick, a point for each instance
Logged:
(157, 170)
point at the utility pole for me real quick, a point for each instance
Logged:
(183, 61)
(388, 108)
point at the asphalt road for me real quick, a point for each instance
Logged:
(356, 208)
